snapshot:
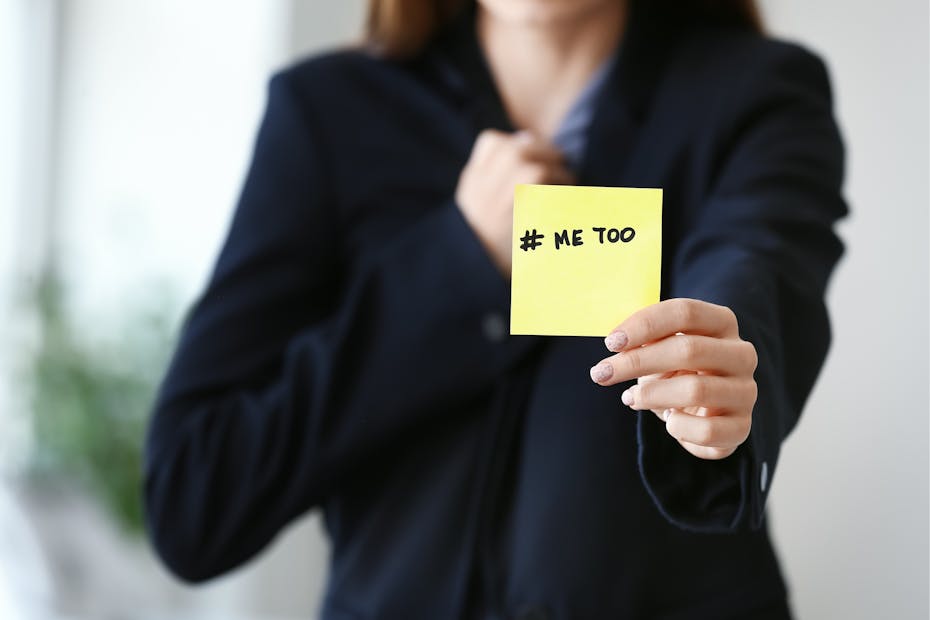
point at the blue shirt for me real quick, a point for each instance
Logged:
(571, 136)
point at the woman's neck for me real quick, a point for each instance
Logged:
(540, 65)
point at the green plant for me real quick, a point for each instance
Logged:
(90, 400)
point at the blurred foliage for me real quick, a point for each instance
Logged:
(91, 398)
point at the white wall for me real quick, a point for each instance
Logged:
(159, 103)
(850, 498)
(27, 50)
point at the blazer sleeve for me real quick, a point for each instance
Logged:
(289, 373)
(763, 245)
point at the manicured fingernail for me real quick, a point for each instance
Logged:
(666, 415)
(627, 397)
(615, 341)
(602, 372)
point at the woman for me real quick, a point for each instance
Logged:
(350, 351)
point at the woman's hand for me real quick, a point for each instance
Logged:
(497, 163)
(693, 371)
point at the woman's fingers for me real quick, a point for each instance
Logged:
(706, 436)
(534, 148)
(704, 452)
(718, 432)
(672, 316)
(484, 194)
(544, 173)
(716, 355)
(709, 391)
(692, 370)
(559, 175)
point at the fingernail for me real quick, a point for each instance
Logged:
(627, 397)
(666, 415)
(615, 341)
(602, 372)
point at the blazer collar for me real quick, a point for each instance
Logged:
(460, 65)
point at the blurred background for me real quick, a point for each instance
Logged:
(125, 131)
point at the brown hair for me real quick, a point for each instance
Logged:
(399, 28)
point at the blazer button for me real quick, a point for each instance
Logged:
(532, 613)
(494, 327)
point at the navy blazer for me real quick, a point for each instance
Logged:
(350, 351)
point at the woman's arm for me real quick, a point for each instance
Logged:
(757, 260)
(283, 378)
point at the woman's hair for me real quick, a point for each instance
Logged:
(398, 28)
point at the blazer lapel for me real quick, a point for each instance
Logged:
(459, 64)
(615, 130)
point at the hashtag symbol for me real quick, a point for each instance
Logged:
(530, 241)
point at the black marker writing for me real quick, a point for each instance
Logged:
(561, 238)
(613, 235)
(530, 241)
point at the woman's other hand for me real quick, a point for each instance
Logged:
(498, 162)
(693, 371)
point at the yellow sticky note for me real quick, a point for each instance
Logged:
(584, 258)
